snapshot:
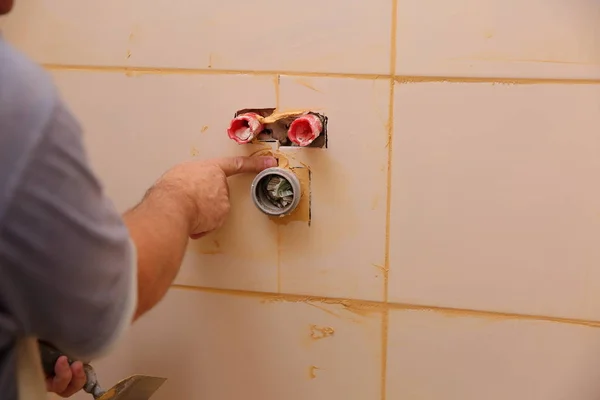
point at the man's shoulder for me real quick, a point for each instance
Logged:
(27, 94)
(27, 102)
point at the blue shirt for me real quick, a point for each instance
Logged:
(67, 266)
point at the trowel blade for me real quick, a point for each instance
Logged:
(136, 387)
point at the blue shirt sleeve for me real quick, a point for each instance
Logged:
(67, 265)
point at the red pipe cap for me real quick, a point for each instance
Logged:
(244, 128)
(305, 129)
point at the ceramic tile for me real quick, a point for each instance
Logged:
(83, 32)
(499, 38)
(447, 357)
(269, 35)
(494, 204)
(137, 127)
(230, 347)
(342, 251)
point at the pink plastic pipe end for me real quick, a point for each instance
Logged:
(305, 129)
(244, 128)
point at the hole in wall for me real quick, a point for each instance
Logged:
(303, 127)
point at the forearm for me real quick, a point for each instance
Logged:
(159, 227)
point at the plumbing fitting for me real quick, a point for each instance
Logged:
(245, 127)
(276, 191)
(305, 129)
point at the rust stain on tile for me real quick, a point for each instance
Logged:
(325, 310)
(360, 307)
(130, 41)
(132, 74)
(317, 332)
(363, 308)
(312, 371)
(304, 82)
(375, 203)
(207, 246)
(382, 268)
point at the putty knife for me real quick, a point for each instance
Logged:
(136, 387)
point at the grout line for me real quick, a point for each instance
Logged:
(403, 79)
(380, 306)
(389, 145)
(135, 71)
(277, 81)
(465, 312)
(289, 297)
(385, 317)
(278, 227)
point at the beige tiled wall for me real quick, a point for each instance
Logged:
(455, 215)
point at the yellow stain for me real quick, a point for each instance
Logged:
(317, 332)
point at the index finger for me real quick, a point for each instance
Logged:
(239, 165)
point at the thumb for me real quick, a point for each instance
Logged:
(239, 165)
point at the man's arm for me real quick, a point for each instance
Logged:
(159, 226)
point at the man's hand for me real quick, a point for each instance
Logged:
(203, 189)
(68, 379)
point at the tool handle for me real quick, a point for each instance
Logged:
(50, 354)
